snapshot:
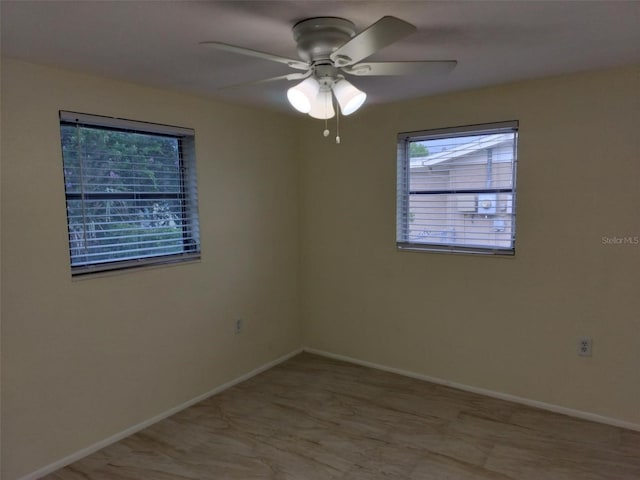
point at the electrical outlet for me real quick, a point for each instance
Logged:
(238, 326)
(585, 345)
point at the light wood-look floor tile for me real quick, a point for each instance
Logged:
(313, 418)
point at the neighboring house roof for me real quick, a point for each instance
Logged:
(461, 150)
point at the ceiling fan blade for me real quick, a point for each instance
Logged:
(377, 36)
(297, 64)
(291, 76)
(401, 68)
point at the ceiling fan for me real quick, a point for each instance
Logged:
(329, 48)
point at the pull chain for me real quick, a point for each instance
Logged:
(338, 124)
(326, 120)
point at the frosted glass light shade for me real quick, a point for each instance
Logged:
(302, 95)
(322, 106)
(349, 97)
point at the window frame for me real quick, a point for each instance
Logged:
(187, 195)
(403, 191)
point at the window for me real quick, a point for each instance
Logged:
(457, 189)
(131, 193)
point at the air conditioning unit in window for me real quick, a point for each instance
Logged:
(487, 203)
(466, 203)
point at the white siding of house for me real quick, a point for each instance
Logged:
(446, 218)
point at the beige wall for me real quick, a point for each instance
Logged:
(505, 324)
(83, 360)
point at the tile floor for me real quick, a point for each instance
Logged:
(313, 418)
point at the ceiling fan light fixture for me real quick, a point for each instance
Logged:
(331, 46)
(303, 95)
(348, 96)
(322, 106)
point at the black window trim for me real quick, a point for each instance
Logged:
(404, 140)
(191, 248)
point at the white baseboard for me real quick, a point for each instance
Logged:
(489, 393)
(52, 467)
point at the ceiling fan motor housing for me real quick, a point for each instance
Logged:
(317, 38)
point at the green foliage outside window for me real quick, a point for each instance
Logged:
(417, 150)
(124, 194)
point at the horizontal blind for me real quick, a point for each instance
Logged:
(456, 189)
(131, 193)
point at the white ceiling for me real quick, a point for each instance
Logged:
(156, 42)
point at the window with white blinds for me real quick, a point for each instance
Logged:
(131, 193)
(457, 189)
